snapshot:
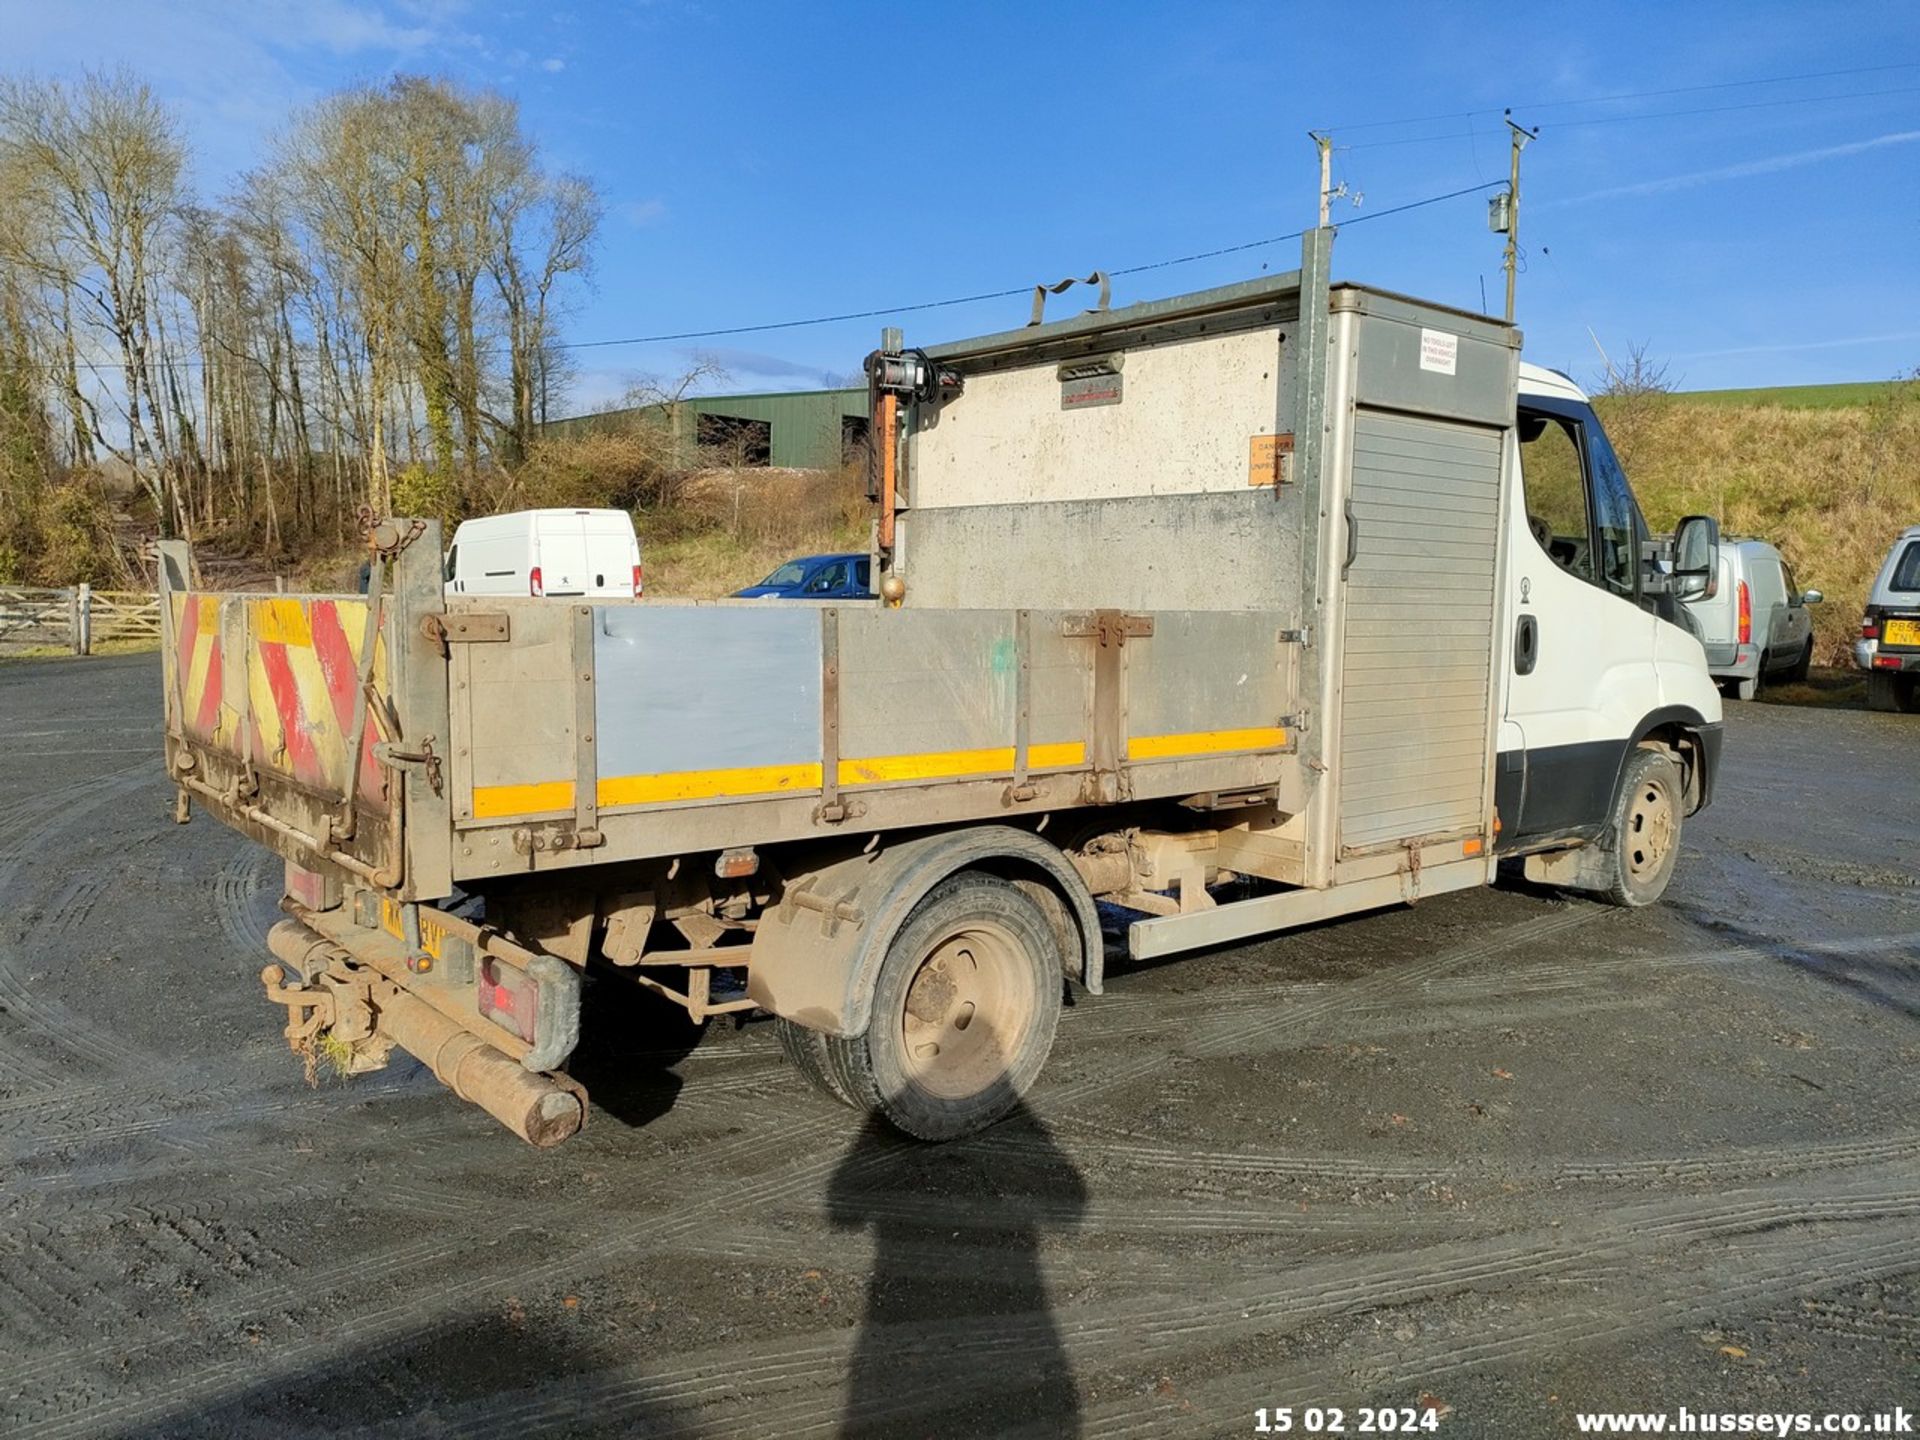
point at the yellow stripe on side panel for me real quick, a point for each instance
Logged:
(705, 784)
(957, 764)
(495, 802)
(1204, 742)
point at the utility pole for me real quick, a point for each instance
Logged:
(1520, 136)
(1324, 144)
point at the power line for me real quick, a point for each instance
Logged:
(1008, 294)
(1634, 95)
(763, 328)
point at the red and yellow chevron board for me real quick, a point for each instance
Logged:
(301, 668)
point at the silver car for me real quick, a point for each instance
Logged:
(1889, 645)
(1755, 623)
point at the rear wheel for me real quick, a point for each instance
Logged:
(964, 1010)
(1803, 664)
(807, 1051)
(1645, 841)
(1893, 693)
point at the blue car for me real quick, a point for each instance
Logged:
(816, 577)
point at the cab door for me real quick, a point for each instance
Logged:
(1582, 671)
(1794, 626)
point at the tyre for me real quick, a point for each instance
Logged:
(1803, 665)
(964, 1010)
(1645, 834)
(1893, 693)
(1880, 694)
(807, 1051)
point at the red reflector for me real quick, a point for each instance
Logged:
(1886, 662)
(508, 997)
(534, 585)
(1746, 615)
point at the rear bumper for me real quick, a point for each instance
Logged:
(1867, 655)
(1733, 662)
(354, 991)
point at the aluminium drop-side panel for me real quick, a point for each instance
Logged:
(1416, 678)
(1209, 681)
(934, 694)
(706, 702)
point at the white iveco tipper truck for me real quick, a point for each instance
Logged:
(1310, 587)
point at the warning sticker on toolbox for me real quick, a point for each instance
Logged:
(1439, 352)
(1270, 459)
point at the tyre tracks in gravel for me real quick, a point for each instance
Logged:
(1091, 1140)
(792, 1160)
(1146, 1334)
(429, 1305)
(51, 1021)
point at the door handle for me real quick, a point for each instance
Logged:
(1353, 541)
(1526, 645)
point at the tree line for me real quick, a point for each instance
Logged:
(371, 317)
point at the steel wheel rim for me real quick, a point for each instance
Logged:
(1650, 829)
(965, 1011)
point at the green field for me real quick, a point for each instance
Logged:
(1802, 397)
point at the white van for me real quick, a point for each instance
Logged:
(1755, 623)
(590, 553)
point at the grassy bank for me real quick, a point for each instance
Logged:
(1831, 486)
(1802, 397)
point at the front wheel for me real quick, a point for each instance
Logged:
(1645, 842)
(964, 1010)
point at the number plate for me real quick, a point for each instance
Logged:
(1900, 632)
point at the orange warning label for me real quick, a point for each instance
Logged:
(1270, 459)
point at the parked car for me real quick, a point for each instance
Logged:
(590, 553)
(816, 577)
(1889, 645)
(1755, 622)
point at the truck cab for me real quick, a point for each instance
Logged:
(1602, 659)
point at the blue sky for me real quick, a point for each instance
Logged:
(766, 162)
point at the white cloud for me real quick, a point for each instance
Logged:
(234, 69)
(1768, 165)
(553, 64)
(1791, 347)
(642, 213)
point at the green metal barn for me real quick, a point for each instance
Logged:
(798, 429)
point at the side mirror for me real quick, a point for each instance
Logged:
(1811, 597)
(1696, 556)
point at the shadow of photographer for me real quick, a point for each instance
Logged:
(958, 1336)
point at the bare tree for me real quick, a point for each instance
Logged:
(103, 161)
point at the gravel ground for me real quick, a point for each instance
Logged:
(1509, 1153)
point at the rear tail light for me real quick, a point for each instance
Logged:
(510, 998)
(1870, 628)
(639, 579)
(535, 586)
(1746, 615)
